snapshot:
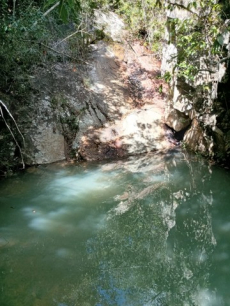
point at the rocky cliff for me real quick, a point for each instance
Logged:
(194, 104)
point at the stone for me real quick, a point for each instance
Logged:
(177, 120)
(48, 146)
(169, 52)
(110, 24)
(182, 95)
(140, 131)
(196, 139)
(177, 12)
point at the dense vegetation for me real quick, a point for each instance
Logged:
(30, 35)
(28, 31)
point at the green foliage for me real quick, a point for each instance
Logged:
(227, 141)
(71, 9)
(167, 77)
(109, 4)
(20, 49)
(8, 154)
(144, 19)
(198, 35)
(27, 34)
(200, 39)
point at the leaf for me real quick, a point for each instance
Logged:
(71, 4)
(60, 6)
(220, 39)
(64, 14)
(195, 4)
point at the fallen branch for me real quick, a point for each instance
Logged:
(131, 47)
(13, 120)
(58, 52)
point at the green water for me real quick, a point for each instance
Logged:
(152, 230)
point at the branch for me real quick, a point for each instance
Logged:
(50, 9)
(131, 47)
(224, 59)
(3, 104)
(48, 47)
(183, 7)
(47, 12)
(71, 34)
(208, 70)
(7, 125)
(14, 4)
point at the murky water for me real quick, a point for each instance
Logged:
(152, 230)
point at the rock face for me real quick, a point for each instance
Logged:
(196, 139)
(192, 103)
(50, 145)
(140, 131)
(135, 108)
(109, 106)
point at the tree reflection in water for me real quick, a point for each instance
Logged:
(157, 246)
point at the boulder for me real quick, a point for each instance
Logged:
(177, 120)
(48, 146)
(197, 140)
(110, 23)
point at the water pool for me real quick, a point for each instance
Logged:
(149, 230)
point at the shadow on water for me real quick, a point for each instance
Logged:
(151, 230)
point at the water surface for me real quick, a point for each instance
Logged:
(150, 230)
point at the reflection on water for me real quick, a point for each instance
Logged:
(151, 230)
